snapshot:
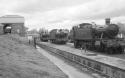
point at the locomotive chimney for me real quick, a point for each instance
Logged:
(107, 21)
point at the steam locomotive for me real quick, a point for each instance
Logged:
(44, 37)
(93, 37)
(58, 36)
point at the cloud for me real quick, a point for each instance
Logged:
(120, 19)
(97, 9)
(33, 6)
(64, 13)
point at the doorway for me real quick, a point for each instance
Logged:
(7, 28)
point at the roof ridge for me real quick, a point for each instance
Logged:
(14, 16)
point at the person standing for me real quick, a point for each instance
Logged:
(35, 42)
(84, 47)
(30, 39)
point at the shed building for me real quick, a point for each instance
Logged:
(16, 23)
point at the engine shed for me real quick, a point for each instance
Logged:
(13, 24)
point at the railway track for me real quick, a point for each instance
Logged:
(108, 66)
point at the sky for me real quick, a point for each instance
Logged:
(51, 14)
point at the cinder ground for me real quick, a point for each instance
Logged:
(19, 60)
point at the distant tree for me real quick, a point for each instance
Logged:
(43, 30)
(33, 31)
(25, 29)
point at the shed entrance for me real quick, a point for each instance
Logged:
(7, 28)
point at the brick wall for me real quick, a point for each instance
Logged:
(18, 28)
(1, 30)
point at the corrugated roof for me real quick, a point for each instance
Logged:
(12, 19)
(12, 16)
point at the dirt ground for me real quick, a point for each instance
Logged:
(19, 60)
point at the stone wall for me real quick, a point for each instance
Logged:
(17, 28)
